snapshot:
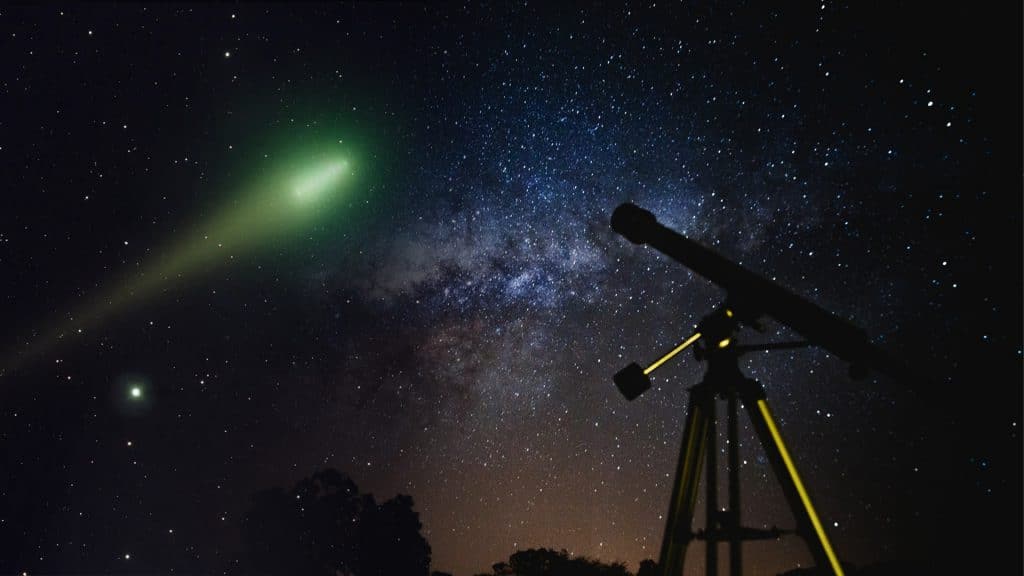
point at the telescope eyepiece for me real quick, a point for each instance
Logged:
(633, 222)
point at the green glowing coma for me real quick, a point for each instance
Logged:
(318, 181)
(284, 205)
(278, 206)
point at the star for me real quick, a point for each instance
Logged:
(380, 243)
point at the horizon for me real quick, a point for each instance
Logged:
(244, 243)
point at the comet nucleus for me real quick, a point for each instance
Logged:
(318, 182)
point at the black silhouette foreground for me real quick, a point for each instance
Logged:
(749, 299)
(325, 527)
(547, 562)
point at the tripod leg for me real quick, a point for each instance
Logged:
(711, 527)
(735, 543)
(679, 522)
(808, 523)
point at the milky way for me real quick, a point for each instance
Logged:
(452, 331)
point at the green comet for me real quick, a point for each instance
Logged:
(286, 203)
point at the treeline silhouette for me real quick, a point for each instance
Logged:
(324, 526)
(547, 562)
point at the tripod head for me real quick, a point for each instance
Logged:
(714, 342)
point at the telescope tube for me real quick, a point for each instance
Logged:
(752, 295)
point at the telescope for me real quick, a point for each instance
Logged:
(749, 298)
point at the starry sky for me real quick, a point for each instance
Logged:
(448, 327)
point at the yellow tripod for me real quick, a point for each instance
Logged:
(724, 381)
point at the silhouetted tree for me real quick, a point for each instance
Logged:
(331, 510)
(391, 543)
(547, 562)
(647, 568)
(325, 527)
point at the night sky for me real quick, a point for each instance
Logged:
(446, 323)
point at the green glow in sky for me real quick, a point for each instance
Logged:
(281, 205)
(270, 212)
(318, 181)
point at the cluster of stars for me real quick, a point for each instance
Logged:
(454, 335)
